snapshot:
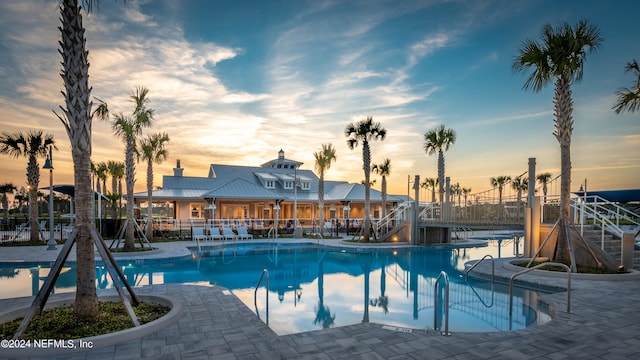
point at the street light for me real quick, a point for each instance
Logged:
(48, 164)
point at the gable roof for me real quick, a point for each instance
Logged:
(248, 182)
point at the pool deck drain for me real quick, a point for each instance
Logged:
(604, 323)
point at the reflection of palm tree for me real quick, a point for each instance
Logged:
(366, 262)
(382, 300)
(323, 313)
(8, 273)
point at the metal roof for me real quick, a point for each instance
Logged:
(622, 196)
(246, 182)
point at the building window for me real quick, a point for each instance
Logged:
(196, 211)
(305, 186)
(288, 184)
(269, 184)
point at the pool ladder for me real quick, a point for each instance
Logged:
(255, 294)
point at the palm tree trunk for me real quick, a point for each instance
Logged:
(321, 201)
(78, 125)
(129, 243)
(33, 177)
(384, 196)
(149, 229)
(366, 160)
(563, 106)
(441, 175)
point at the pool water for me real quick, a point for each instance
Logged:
(313, 287)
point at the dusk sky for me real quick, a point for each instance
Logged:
(233, 82)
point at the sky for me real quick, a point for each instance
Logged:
(233, 82)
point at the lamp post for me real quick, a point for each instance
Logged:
(48, 164)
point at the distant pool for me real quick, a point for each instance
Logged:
(315, 287)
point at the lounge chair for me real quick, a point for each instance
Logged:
(247, 223)
(243, 234)
(197, 234)
(214, 234)
(228, 234)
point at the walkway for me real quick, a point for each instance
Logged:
(604, 323)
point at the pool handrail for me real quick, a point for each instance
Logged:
(466, 272)
(548, 263)
(255, 294)
(443, 275)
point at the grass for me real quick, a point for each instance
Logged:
(61, 322)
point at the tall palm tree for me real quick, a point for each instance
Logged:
(628, 99)
(365, 131)
(559, 57)
(76, 118)
(101, 172)
(128, 128)
(383, 169)
(324, 158)
(544, 179)
(153, 150)
(519, 184)
(500, 182)
(7, 188)
(32, 145)
(430, 183)
(116, 169)
(465, 194)
(439, 140)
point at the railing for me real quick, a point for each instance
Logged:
(255, 295)
(568, 270)
(396, 217)
(604, 213)
(466, 272)
(443, 275)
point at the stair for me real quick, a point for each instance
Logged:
(612, 244)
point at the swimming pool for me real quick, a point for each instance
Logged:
(315, 287)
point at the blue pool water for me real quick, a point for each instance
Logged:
(312, 287)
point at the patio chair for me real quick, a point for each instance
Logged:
(228, 234)
(243, 234)
(214, 234)
(197, 234)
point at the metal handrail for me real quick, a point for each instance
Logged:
(537, 267)
(444, 276)
(466, 272)
(255, 294)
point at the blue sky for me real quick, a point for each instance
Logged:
(232, 82)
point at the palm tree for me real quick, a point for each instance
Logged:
(324, 158)
(500, 182)
(363, 132)
(152, 149)
(438, 141)
(101, 171)
(32, 145)
(465, 193)
(7, 188)
(430, 183)
(519, 184)
(116, 170)
(76, 118)
(383, 169)
(559, 57)
(128, 128)
(544, 179)
(629, 99)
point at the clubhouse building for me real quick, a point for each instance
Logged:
(259, 196)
